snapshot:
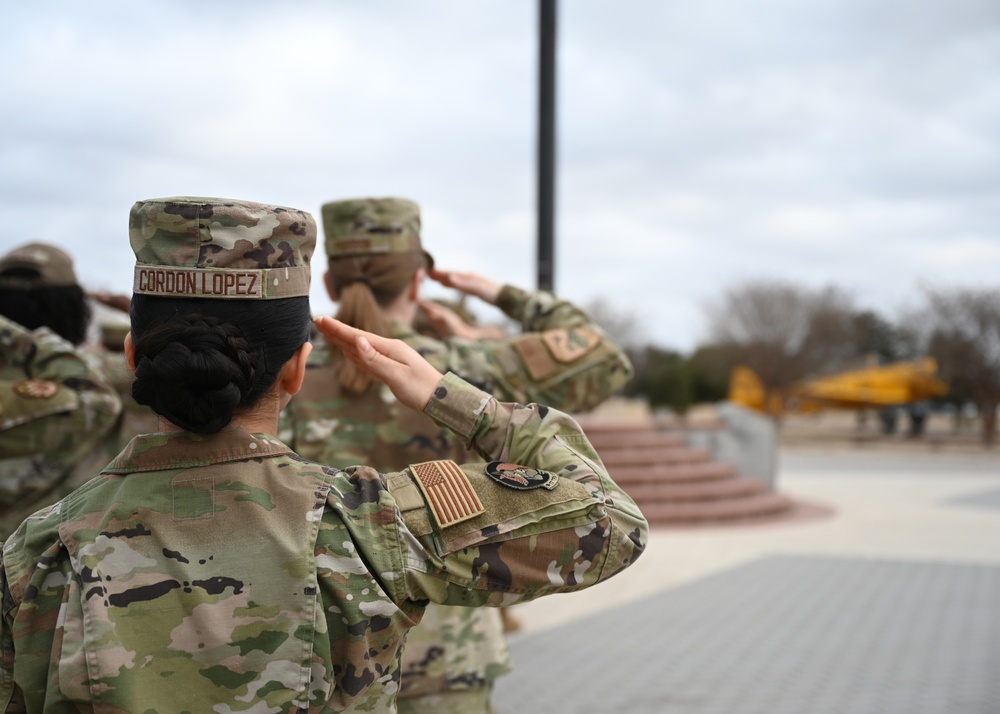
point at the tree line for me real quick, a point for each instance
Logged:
(788, 332)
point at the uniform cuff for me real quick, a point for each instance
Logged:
(512, 301)
(457, 405)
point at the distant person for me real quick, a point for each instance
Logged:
(38, 288)
(134, 418)
(212, 569)
(55, 405)
(376, 264)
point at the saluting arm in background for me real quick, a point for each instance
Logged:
(562, 356)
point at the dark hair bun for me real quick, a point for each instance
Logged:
(195, 371)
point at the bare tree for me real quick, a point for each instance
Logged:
(621, 324)
(785, 332)
(960, 328)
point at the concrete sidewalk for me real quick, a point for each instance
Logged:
(891, 604)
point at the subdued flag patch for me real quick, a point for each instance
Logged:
(36, 388)
(448, 492)
(569, 344)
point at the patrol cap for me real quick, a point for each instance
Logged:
(220, 248)
(113, 335)
(368, 226)
(36, 265)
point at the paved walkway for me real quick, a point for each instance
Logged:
(891, 605)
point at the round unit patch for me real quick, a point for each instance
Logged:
(36, 388)
(521, 478)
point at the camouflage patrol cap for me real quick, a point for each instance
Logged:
(113, 335)
(36, 265)
(366, 226)
(220, 248)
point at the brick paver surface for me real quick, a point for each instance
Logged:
(778, 635)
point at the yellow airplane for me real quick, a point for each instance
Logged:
(871, 387)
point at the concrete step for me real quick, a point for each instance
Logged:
(653, 455)
(678, 485)
(653, 493)
(671, 473)
(620, 438)
(758, 506)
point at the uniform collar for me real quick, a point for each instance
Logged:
(399, 330)
(183, 449)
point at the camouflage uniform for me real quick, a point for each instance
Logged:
(561, 358)
(55, 408)
(54, 403)
(225, 573)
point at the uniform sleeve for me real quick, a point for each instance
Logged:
(562, 357)
(11, 697)
(549, 519)
(55, 408)
(6, 645)
(34, 596)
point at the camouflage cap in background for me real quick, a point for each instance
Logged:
(113, 335)
(220, 248)
(367, 226)
(36, 265)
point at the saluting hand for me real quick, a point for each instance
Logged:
(446, 322)
(117, 302)
(410, 377)
(468, 283)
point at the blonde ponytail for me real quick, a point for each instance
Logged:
(364, 285)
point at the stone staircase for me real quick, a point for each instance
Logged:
(680, 485)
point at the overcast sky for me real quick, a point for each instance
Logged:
(853, 142)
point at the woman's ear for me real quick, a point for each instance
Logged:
(328, 282)
(418, 278)
(294, 371)
(130, 351)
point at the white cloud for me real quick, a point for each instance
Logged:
(958, 256)
(820, 225)
(836, 141)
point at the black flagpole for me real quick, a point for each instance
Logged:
(546, 144)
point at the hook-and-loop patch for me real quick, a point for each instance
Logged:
(521, 478)
(448, 491)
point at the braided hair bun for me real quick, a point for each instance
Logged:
(195, 371)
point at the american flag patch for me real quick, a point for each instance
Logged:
(448, 492)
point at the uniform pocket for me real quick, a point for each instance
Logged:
(68, 642)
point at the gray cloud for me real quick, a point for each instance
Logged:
(700, 144)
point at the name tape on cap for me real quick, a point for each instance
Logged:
(217, 283)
